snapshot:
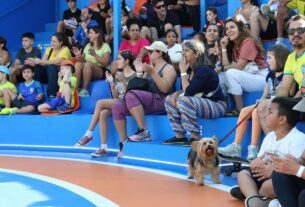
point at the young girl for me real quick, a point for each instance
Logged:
(277, 56)
(212, 17)
(173, 48)
(125, 72)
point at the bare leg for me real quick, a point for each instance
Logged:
(91, 72)
(104, 114)
(258, 23)
(8, 96)
(256, 128)
(241, 130)
(139, 115)
(267, 189)
(238, 102)
(26, 109)
(78, 72)
(60, 27)
(121, 128)
(66, 91)
(246, 184)
(44, 107)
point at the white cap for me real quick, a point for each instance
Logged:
(157, 45)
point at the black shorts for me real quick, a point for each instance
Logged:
(21, 103)
(259, 183)
(271, 31)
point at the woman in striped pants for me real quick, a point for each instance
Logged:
(201, 95)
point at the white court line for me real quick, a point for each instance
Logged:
(161, 172)
(92, 197)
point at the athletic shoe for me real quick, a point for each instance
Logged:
(140, 136)
(257, 201)
(235, 192)
(63, 108)
(83, 141)
(231, 150)
(99, 153)
(274, 203)
(252, 152)
(72, 23)
(8, 111)
(175, 140)
(83, 93)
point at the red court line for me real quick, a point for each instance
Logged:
(124, 186)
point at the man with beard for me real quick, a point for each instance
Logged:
(295, 65)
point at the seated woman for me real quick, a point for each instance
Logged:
(243, 62)
(277, 56)
(5, 57)
(51, 60)
(211, 45)
(202, 95)
(92, 63)
(103, 107)
(161, 76)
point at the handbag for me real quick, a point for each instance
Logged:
(138, 84)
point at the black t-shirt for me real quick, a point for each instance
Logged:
(68, 14)
(22, 55)
(273, 83)
(154, 21)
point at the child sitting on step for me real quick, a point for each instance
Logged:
(5, 84)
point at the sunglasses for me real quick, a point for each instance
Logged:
(160, 6)
(299, 30)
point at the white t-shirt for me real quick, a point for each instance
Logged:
(175, 53)
(293, 143)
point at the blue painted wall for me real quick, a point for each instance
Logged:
(18, 16)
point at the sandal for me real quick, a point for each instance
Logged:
(233, 113)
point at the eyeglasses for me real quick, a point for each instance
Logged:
(299, 30)
(160, 6)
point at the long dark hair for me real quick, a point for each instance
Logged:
(127, 55)
(3, 41)
(62, 38)
(280, 53)
(198, 48)
(101, 38)
(214, 11)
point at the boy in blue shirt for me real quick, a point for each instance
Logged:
(28, 97)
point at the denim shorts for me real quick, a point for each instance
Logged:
(54, 103)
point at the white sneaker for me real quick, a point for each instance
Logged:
(252, 152)
(83, 93)
(231, 150)
(274, 203)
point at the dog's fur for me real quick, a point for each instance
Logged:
(203, 159)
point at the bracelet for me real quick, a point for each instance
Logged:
(223, 50)
(183, 74)
(300, 171)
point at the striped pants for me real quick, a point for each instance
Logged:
(184, 115)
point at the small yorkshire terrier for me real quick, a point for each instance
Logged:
(203, 159)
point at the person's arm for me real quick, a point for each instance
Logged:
(265, 94)
(154, 33)
(103, 60)
(17, 64)
(240, 65)
(178, 30)
(5, 58)
(287, 82)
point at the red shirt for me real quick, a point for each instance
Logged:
(135, 49)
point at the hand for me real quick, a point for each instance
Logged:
(92, 52)
(218, 69)
(224, 42)
(256, 163)
(282, 12)
(37, 61)
(20, 97)
(109, 78)
(39, 97)
(287, 165)
(149, 69)
(211, 50)
(60, 74)
(174, 99)
(263, 172)
(138, 65)
(183, 65)
(29, 61)
(120, 76)
(217, 51)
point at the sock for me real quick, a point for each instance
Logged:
(89, 133)
(104, 146)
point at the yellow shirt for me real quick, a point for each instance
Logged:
(297, 4)
(64, 53)
(73, 81)
(104, 49)
(9, 85)
(295, 66)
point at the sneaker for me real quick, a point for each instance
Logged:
(274, 203)
(257, 201)
(83, 93)
(140, 136)
(8, 111)
(189, 142)
(231, 150)
(175, 140)
(235, 192)
(64, 107)
(99, 153)
(279, 41)
(252, 152)
(83, 141)
(72, 23)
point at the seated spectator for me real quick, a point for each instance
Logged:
(162, 20)
(211, 45)
(174, 49)
(255, 184)
(212, 18)
(161, 76)
(51, 60)
(4, 84)
(201, 95)
(103, 107)
(80, 35)
(67, 85)
(5, 57)
(100, 9)
(261, 26)
(277, 56)
(22, 58)
(71, 19)
(244, 63)
(28, 97)
(94, 61)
